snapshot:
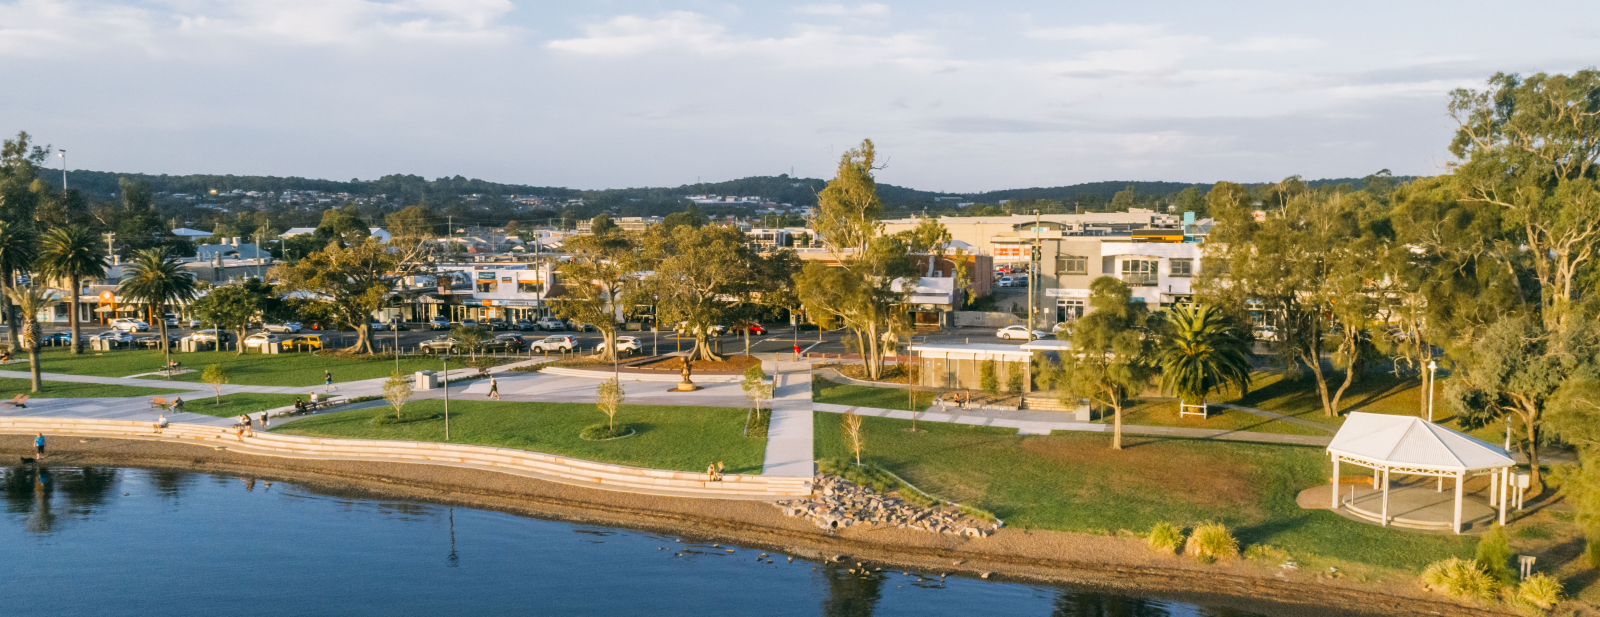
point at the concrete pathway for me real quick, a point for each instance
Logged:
(1278, 416)
(790, 451)
(1042, 423)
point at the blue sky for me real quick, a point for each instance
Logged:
(959, 96)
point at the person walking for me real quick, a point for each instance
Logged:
(327, 381)
(263, 420)
(245, 420)
(38, 446)
(494, 389)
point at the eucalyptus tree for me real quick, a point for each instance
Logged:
(71, 254)
(155, 277)
(1110, 358)
(602, 267)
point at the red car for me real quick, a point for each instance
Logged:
(754, 328)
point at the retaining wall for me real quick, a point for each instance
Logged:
(548, 467)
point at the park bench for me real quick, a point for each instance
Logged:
(172, 369)
(19, 401)
(160, 403)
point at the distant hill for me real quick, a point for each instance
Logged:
(1109, 189)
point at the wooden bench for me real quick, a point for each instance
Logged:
(160, 403)
(19, 401)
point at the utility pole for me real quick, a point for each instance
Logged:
(111, 246)
(1033, 275)
(258, 257)
(63, 153)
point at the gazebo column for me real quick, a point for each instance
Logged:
(1336, 482)
(1505, 487)
(1441, 485)
(1385, 496)
(1494, 488)
(1460, 478)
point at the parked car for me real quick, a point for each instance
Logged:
(469, 323)
(288, 327)
(174, 322)
(303, 342)
(1265, 333)
(153, 341)
(443, 344)
(377, 326)
(116, 337)
(127, 324)
(439, 323)
(260, 340)
(505, 342)
(59, 338)
(209, 336)
(552, 323)
(525, 325)
(1006, 281)
(496, 323)
(629, 344)
(559, 343)
(1018, 333)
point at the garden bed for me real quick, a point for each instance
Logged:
(732, 365)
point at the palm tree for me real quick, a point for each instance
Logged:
(16, 253)
(30, 300)
(1203, 352)
(71, 253)
(155, 277)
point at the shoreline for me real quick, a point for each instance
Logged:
(1097, 563)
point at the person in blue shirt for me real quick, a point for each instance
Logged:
(38, 445)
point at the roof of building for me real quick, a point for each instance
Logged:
(972, 350)
(295, 231)
(207, 252)
(1409, 441)
(185, 232)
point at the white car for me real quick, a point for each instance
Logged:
(260, 340)
(127, 324)
(1265, 333)
(562, 344)
(1018, 333)
(624, 343)
(115, 336)
(288, 327)
(208, 336)
(1006, 281)
(552, 323)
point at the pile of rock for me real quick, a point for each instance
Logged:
(838, 503)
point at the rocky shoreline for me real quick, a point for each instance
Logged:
(1081, 561)
(839, 503)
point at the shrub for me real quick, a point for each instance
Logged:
(1014, 378)
(1494, 554)
(1591, 551)
(598, 432)
(1211, 542)
(1539, 590)
(987, 379)
(1462, 578)
(1165, 538)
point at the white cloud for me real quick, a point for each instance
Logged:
(1100, 33)
(1273, 44)
(871, 9)
(808, 45)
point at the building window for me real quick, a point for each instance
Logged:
(1139, 271)
(529, 287)
(485, 287)
(1108, 265)
(1072, 264)
(1182, 267)
(1068, 310)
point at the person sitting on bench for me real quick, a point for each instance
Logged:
(177, 404)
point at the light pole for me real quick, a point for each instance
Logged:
(1433, 375)
(446, 361)
(1033, 257)
(63, 153)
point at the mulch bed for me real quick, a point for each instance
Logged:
(732, 364)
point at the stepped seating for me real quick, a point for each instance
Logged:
(536, 465)
(662, 377)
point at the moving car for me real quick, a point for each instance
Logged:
(505, 342)
(558, 343)
(627, 344)
(288, 327)
(260, 340)
(303, 342)
(127, 324)
(1006, 281)
(443, 344)
(552, 323)
(439, 323)
(754, 328)
(1018, 333)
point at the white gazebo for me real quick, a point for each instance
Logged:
(1410, 445)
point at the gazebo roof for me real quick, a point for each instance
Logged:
(1409, 441)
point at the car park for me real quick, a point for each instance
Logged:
(126, 324)
(261, 340)
(552, 323)
(439, 323)
(1018, 333)
(558, 343)
(288, 327)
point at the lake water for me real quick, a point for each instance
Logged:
(104, 540)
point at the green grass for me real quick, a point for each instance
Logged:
(235, 404)
(1076, 482)
(1372, 393)
(1165, 413)
(10, 387)
(254, 369)
(669, 437)
(824, 391)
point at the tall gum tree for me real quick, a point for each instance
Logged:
(602, 268)
(703, 276)
(355, 280)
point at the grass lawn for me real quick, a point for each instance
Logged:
(235, 404)
(1165, 413)
(254, 369)
(10, 387)
(1076, 482)
(668, 437)
(1372, 393)
(824, 391)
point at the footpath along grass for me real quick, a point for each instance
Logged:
(1374, 392)
(10, 387)
(252, 369)
(235, 404)
(1076, 482)
(824, 391)
(668, 437)
(1165, 413)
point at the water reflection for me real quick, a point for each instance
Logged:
(1085, 604)
(851, 592)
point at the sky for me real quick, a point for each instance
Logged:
(957, 96)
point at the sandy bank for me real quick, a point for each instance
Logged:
(1078, 560)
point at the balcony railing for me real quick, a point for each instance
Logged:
(1142, 279)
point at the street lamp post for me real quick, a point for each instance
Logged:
(446, 361)
(1033, 275)
(63, 153)
(1433, 375)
